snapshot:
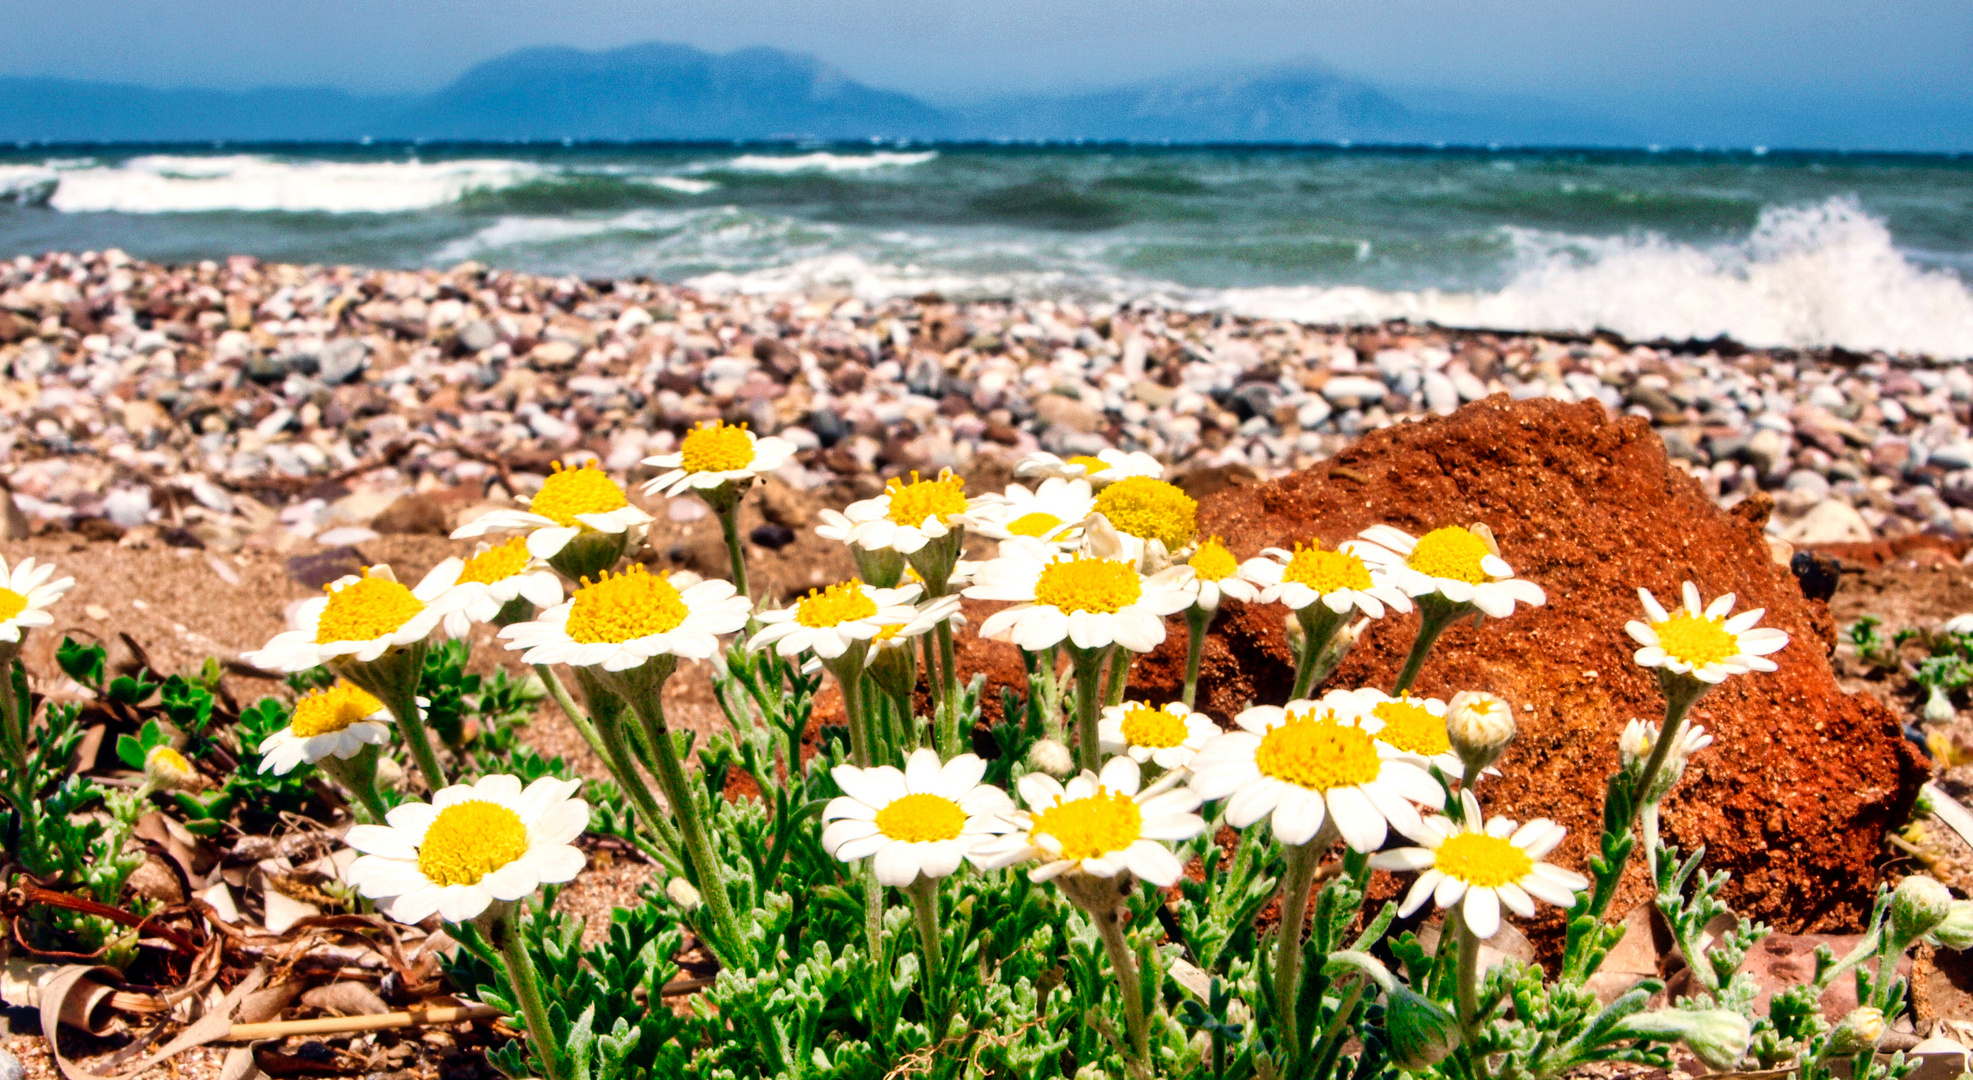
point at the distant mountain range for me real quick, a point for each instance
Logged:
(662, 91)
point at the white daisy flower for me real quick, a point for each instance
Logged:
(496, 575)
(570, 502)
(1312, 762)
(922, 821)
(1159, 519)
(26, 594)
(1098, 825)
(1704, 642)
(1167, 736)
(907, 516)
(1053, 511)
(1341, 580)
(1414, 726)
(473, 845)
(360, 618)
(1463, 565)
(1093, 603)
(714, 454)
(1216, 574)
(623, 620)
(1103, 467)
(336, 721)
(833, 620)
(928, 615)
(1483, 867)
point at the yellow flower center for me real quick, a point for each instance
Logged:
(1088, 584)
(469, 840)
(914, 501)
(1212, 562)
(919, 818)
(1318, 753)
(1326, 571)
(1146, 726)
(622, 607)
(1482, 860)
(497, 563)
(11, 604)
(715, 447)
(365, 610)
(1032, 523)
(167, 760)
(1090, 465)
(886, 634)
(320, 712)
(1451, 552)
(1089, 828)
(1696, 639)
(1150, 510)
(569, 492)
(835, 605)
(1411, 727)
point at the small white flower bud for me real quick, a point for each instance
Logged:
(1918, 906)
(390, 775)
(1955, 931)
(1859, 1032)
(683, 894)
(1420, 1030)
(1718, 1037)
(165, 769)
(1480, 726)
(1051, 757)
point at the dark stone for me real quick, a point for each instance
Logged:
(1816, 573)
(772, 537)
(827, 426)
(416, 514)
(1251, 400)
(323, 567)
(179, 536)
(101, 530)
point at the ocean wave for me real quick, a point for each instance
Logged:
(822, 161)
(1807, 276)
(174, 183)
(29, 185)
(515, 232)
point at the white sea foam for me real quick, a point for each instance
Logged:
(822, 161)
(29, 184)
(1816, 275)
(510, 233)
(160, 184)
(684, 185)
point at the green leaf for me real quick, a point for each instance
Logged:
(83, 663)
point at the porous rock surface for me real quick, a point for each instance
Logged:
(1803, 780)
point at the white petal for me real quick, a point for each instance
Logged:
(1481, 912)
(1361, 826)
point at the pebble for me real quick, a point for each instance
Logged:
(262, 404)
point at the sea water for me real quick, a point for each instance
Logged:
(1796, 249)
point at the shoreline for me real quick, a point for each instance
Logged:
(271, 404)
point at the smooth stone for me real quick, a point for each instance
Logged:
(343, 360)
(1831, 521)
(128, 507)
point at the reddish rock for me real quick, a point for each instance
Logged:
(1802, 781)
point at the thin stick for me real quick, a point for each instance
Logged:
(333, 1025)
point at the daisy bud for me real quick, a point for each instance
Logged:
(1480, 726)
(1051, 757)
(1859, 1032)
(1938, 704)
(1955, 931)
(1918, 906)
(390, 774)
(1420, 1030)
(166, 769)
(1717, 1037)
(683, 894)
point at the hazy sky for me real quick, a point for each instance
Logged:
(1657, 53)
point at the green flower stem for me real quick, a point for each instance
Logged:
(1297, 881)
(644, 701)
(1089, 705)
(1197, 620)
(623, 769)
(1113, 689)
(1110, 927)
(1319, 624)
(911, 737)
(873, 913)
(729, 526)
(358, 775)
(929, 643)
(574, 712)
(527, 991)
(13, 726)
(1469, 983)
(924, 894)
(1434, 615)
(851, 683)
(951, 740)
(402, 700)
(1681, 693)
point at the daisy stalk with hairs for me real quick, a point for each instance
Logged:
(718, 462)
(630, 630)
(26, 594)
(1215, 576)
(838, 624)
(1323, 588)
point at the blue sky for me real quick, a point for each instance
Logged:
(1635, 55)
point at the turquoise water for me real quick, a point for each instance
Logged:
(1781, 248)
